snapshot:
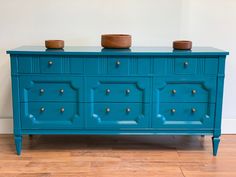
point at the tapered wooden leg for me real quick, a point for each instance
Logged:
(215, 144)
(18, 143)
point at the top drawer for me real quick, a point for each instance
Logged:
(118, 66)
(50, 64)
(185, 66)
(47, 64)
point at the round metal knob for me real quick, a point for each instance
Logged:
(173, 110)
(194, 91)
(186, 64)
(108, 110)
(128, 91)
(42, 109)
(61, 91)
(128, 110)
(41, 91)
(174, 91)
(118, 63)
(194, 110)
(62, 110)
(50, 62)
(108, 91)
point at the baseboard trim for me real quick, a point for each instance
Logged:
(228, 125)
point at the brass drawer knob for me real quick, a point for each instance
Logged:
(193, 110)
(41, 91)
(118, 63)
(62, 109)
(194, 91)
(42, 109)
(174, 91)
(127, 91)
(108, 110)
(61, 91)
(108, 91)
(50, 63)
(128, 110)
(173, 110)
(186, 64)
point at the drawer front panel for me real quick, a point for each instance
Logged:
(118, 66)
(50, 64)
(185, 90)
(44, 115)
(40, 88)
(122, 89)
(117, 115)
(183, 115)
(185, 66)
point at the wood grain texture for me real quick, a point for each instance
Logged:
(116, 156)
(116, 41)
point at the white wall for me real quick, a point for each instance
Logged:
(81, 22)
(213, 23)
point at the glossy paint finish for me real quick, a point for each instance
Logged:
(141, 91)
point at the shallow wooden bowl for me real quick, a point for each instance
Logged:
(182, 45)
(54, 44)
(116, 41)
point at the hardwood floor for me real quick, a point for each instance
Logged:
(116, 156)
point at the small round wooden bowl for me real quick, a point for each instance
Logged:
(116, 41)
(54, 44)
(182, 45)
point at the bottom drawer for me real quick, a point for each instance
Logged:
(117, 115)
(183, 115)
(45, 115)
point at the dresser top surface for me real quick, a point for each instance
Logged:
(82, 50)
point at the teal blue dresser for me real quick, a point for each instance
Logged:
(137, 91)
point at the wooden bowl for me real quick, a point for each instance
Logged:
(182, 45)
(54, 44)
(116, 41)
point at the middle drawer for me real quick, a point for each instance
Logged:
(117, 89)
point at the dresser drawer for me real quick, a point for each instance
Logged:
(183, 115)
(40, 88)
(44, 115)
(50, 64)
(117, 115)
(185, 65)
(118, 66)
(114, 89)
(185, 90)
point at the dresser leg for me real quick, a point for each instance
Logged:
(215, 144)
(18, 143)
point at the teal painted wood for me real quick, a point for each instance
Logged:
(51, 115)
(51, 88)
(117, 89)
(187, 89)
(117, 115)
(140, 91)
(184, 116)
